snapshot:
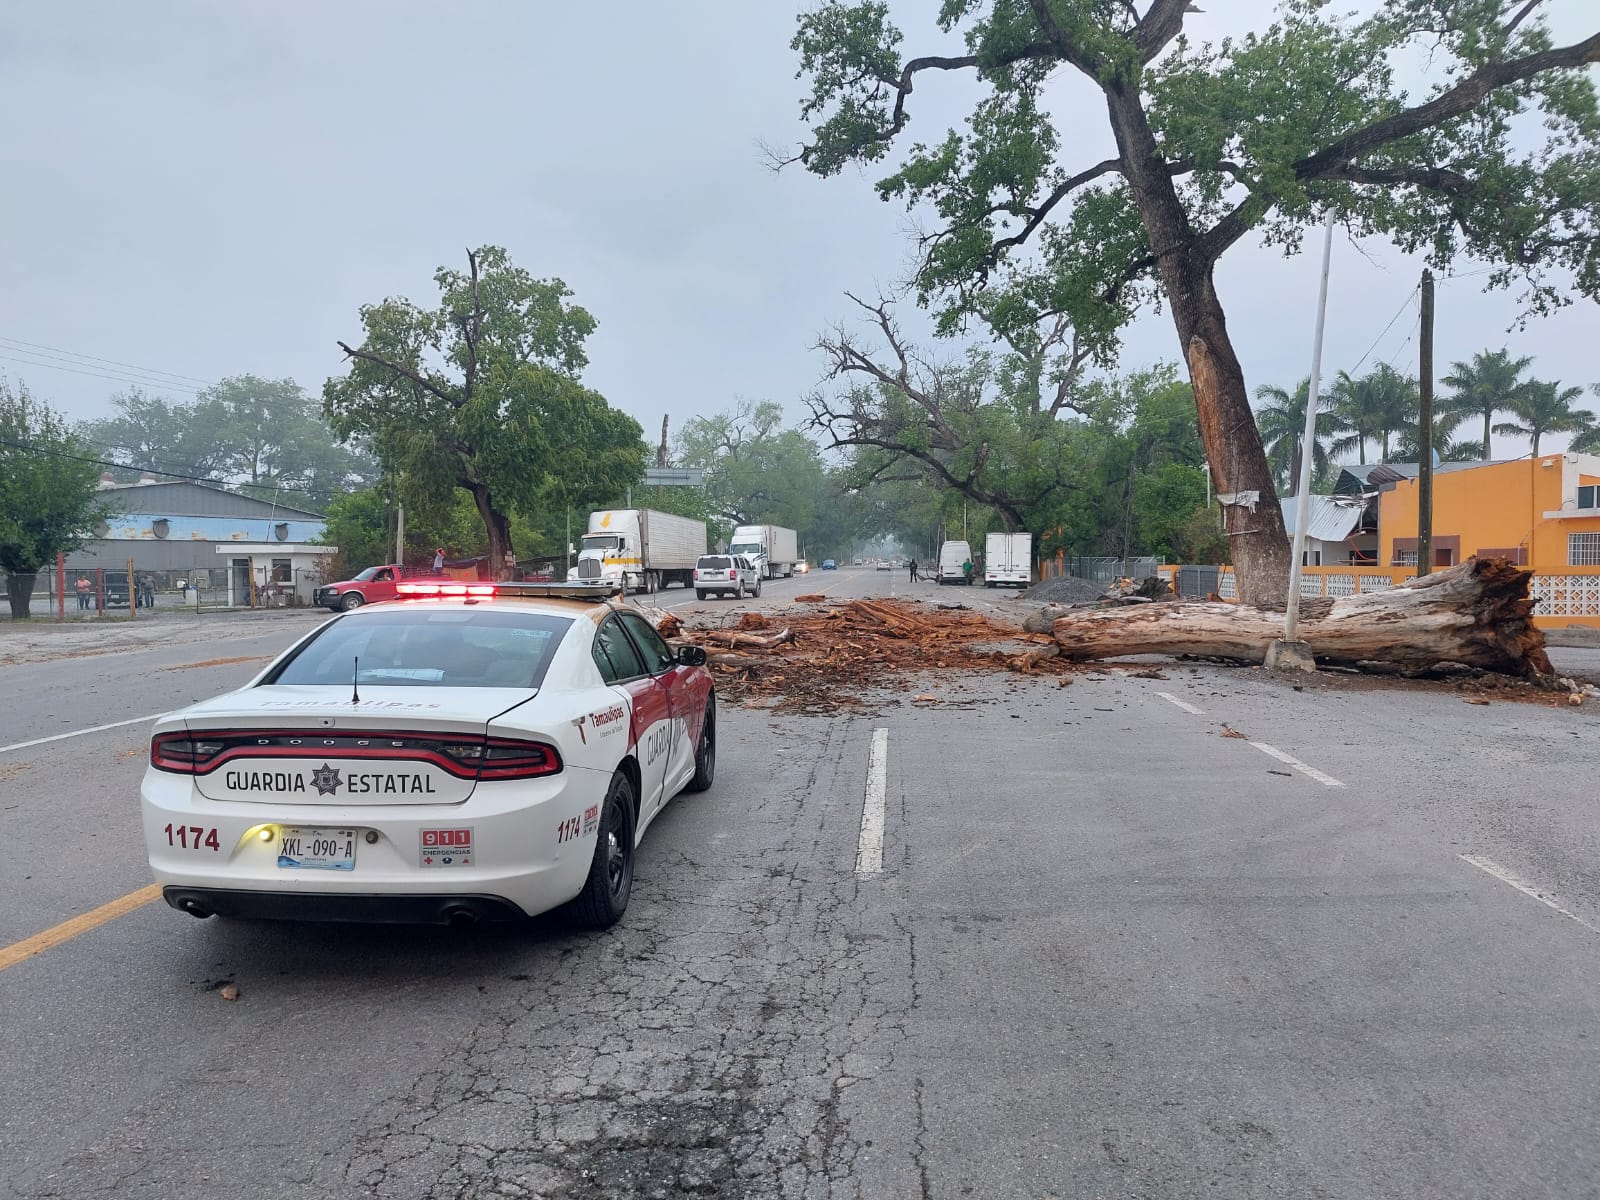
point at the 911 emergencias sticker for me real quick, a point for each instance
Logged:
(591, 818)
(447, 847)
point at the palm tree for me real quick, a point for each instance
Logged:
(1543, 408)
(1489, 384)
(1282, 422)
(1381, 403)
(1588, 442)
(1446, 445)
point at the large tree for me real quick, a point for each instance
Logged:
(48, 487)
(482, 393)
(1281, 417)
(153, 433)
(1256, 137)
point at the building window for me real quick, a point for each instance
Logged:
(1405, 558)
(1589, 496)
(1311, 558)
(281, 572)
(1583, 549)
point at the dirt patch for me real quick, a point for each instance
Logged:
(219, 662)
(1068, 589)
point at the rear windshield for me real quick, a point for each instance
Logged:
(422, 646)
(714, 562)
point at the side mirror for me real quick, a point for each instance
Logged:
(691, 656)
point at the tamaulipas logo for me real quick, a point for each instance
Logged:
(326, 780)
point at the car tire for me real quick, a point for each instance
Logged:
(758, 589)
(699, 595)
(351, 601)
(605, 893)
(738, 592)
(705, 755)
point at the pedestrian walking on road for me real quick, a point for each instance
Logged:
(438, 560)
(966, 569)
(913, 570)
(83, 585)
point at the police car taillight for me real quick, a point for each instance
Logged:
(182, 752)
(512, 758)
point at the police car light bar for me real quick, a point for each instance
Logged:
(599, 589)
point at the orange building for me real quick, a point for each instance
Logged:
(1543, 513)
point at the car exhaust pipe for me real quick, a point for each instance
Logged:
(195, 909)
(460, 916)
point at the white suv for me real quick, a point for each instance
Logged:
(726, 574)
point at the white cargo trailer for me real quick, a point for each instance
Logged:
(1008, 560)
(640, 548)
(772, 548)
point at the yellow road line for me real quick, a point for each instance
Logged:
(17, 952)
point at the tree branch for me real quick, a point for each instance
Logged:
(1162, 22)
(1511, 25)
(404, 372)
(1107, 167)
(1062, 45)
(1454, 102)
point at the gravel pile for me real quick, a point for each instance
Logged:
(1069, 589)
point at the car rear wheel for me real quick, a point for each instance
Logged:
(738, 592)
(352, 600)
(758, 587)
(705, 755)
(700, 595)
(605, 893)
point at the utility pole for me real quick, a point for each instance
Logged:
(1291, 654)
(400, 534)
(1425, 431)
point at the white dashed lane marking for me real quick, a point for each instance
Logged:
(1527, 889)
(1183, 704)
(869, 848)
(61, 737)
(1292, 761)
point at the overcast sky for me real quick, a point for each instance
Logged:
(210, 189)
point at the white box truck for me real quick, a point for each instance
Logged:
(642, 549)
(1008, 560)
(952, 556)
(772, 548)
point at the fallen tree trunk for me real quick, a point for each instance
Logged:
(1478, 614)
(734, 639)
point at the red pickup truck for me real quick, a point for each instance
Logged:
(372, 585)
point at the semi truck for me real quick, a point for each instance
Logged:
(1008, 560)
(772, 548)
(639, 549)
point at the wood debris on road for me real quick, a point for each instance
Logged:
(822, 657)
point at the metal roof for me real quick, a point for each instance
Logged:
(1331, 518)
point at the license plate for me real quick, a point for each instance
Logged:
(311, 847)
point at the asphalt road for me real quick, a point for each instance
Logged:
(1110, 952)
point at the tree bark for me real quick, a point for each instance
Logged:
(19, 592)
(495, 523)
(1478, 613)
(1260, 546)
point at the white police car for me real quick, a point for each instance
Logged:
(465, 752)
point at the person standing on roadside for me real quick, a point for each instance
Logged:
(966, 570)
(438, 560)
(913, 570)
(83, 586)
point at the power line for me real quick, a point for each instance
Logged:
(73, 354)
(216, 483)
(1404, 304)
(134, 381)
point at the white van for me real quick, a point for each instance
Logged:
(951, 556)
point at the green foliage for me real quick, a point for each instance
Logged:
(264, 435)
(1232, 125)
(1541, 408)
(1486, 387)
(1373, 408)
(1282, 421)
(482, 393)
(48, 497)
